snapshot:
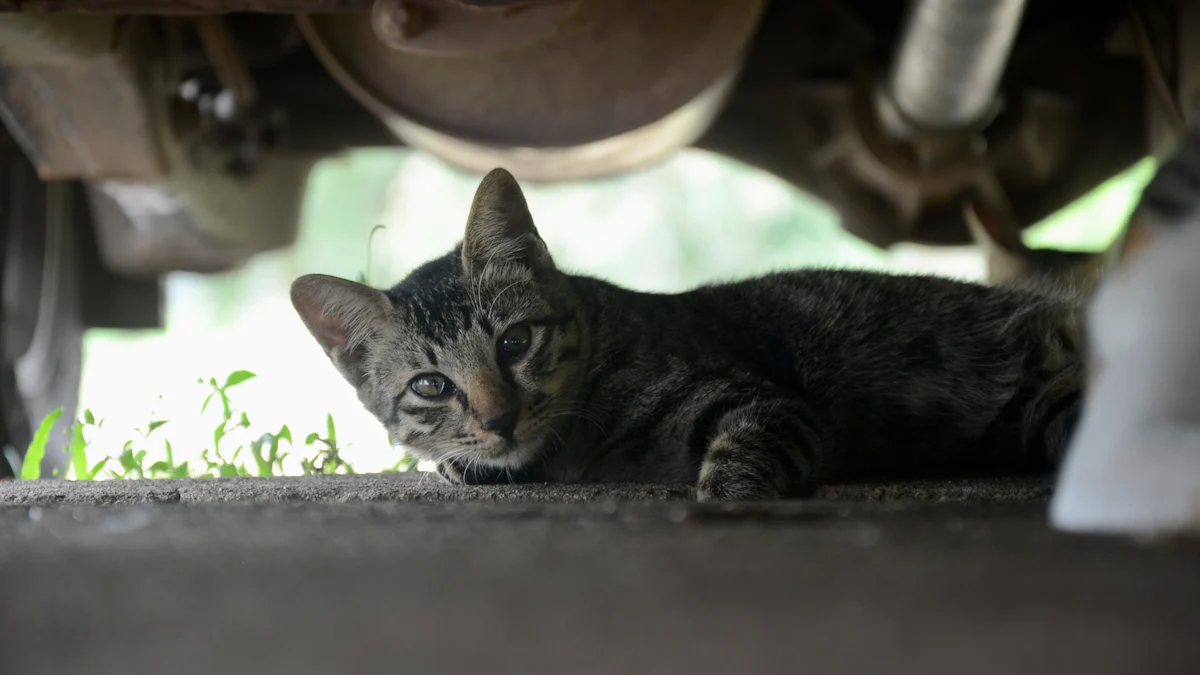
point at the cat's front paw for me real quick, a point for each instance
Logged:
(451, 473)
(457, 473)
(727, 479)
(767, 449)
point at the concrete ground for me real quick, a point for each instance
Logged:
(389, 574)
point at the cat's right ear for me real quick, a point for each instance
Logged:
(500, 230)
(342, 315)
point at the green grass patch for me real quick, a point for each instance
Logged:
(237, 447)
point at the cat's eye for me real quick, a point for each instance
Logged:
(515, 341)
(431, 385)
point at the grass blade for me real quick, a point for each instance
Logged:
(97, 468)
(78, 450)
(32, 465)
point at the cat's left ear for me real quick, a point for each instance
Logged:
(500, 229)
(343, 316)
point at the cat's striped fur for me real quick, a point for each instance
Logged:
(753, 389)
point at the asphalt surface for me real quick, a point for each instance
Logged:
(428, 487)
(388, 574)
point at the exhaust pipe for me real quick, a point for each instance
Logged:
(951, 58)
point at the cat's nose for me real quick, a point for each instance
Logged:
(502, 425)
(494, 406)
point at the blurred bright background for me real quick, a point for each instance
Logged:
(698, 218)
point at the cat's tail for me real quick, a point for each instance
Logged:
(1070, 275)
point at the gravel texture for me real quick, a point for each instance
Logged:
(427, 487)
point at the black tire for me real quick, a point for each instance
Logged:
(41, 331)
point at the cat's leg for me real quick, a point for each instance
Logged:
(762, 450)
(1051, 417)
(1043, 413)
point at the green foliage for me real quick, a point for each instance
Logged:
(264, 454)
(221, 391)
(328, 459)
(77, 449)
(270, 463)
(31, 465)
(167, 468)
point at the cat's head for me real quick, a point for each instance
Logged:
(475, 356)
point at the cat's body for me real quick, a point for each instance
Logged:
(500, 367)
(842, 358)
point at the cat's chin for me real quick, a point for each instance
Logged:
(479, 469)
(504, 456)
(509, 455)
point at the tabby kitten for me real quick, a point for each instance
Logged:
(498, 366)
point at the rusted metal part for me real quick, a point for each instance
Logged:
(145, 230)
(502, 4)
(1187, 26)
(639, 148)
(229, 115)
(1162, 35)
(185, 7)
(1155, 73)
(105, 115)
(930, 127)
(611, 67)
(227, 61)
(82, 118)
(40, 40)
(1065, 130)
(396, 21)
(936, 127)
(450, 27)
(923, 180)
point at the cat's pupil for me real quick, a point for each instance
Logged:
(430, 386)
(515, 340)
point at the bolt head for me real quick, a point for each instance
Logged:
(396, 21)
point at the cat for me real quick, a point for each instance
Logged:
(1133, 466)
(498, 366)
(1073, 275)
